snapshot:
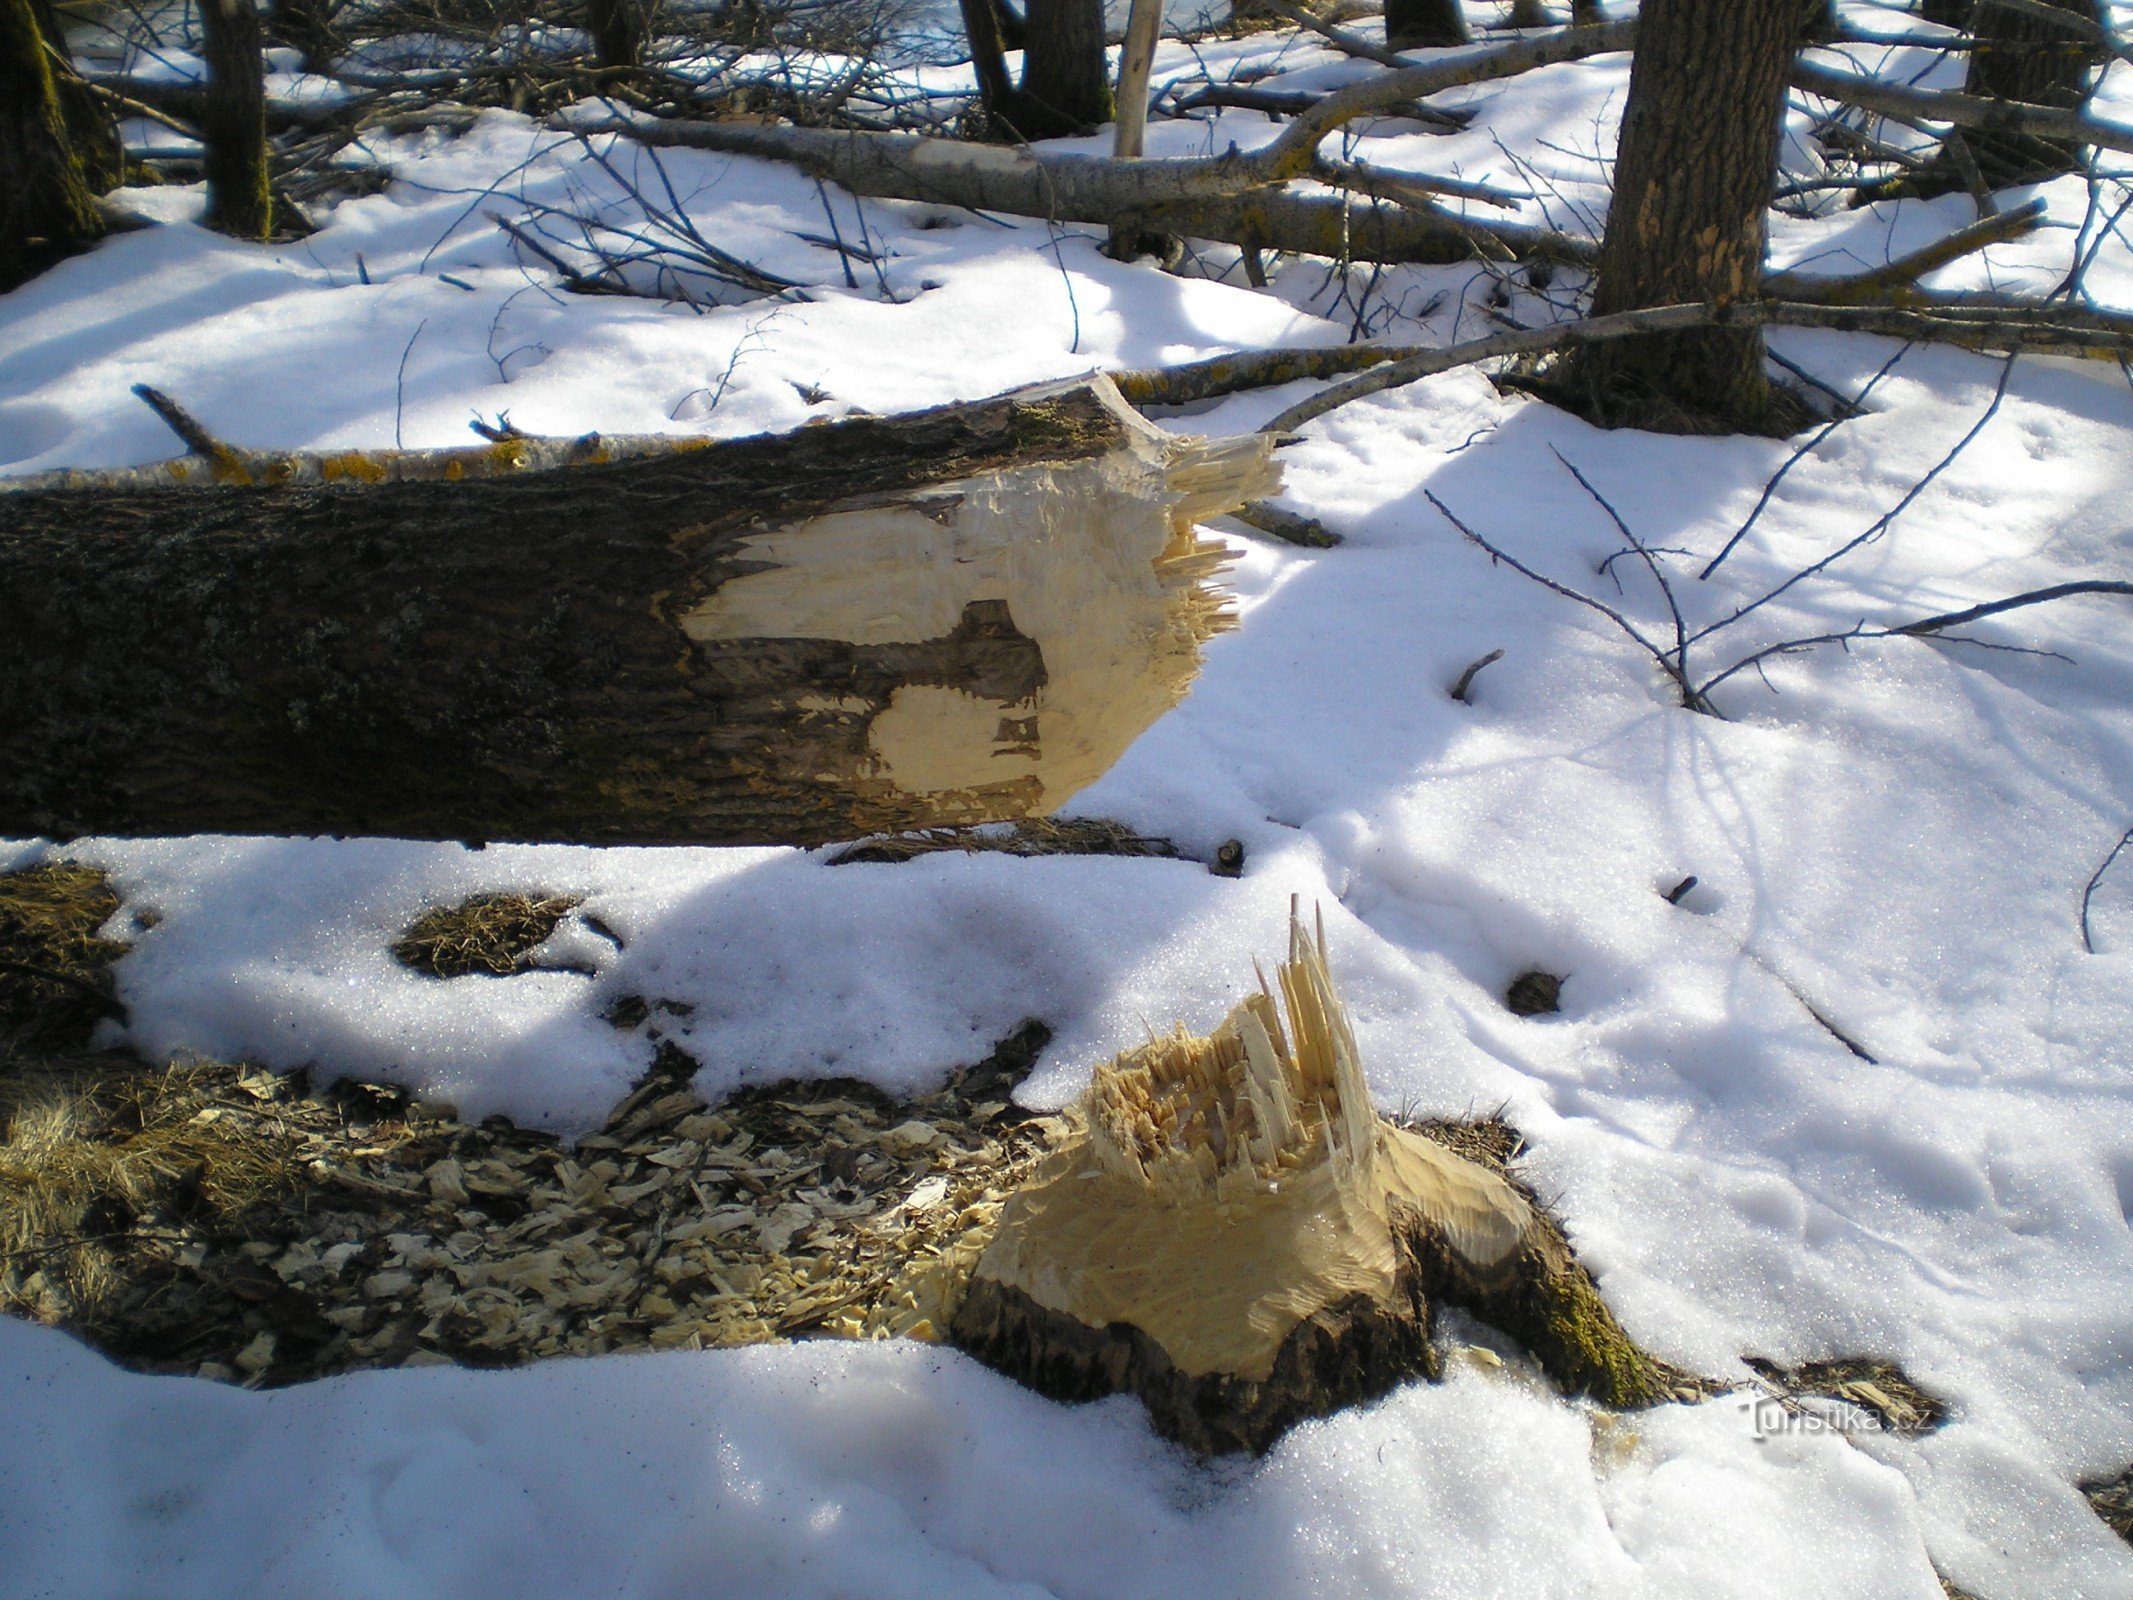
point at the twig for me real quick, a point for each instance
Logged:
(400, 381)
(1286, 526)
(1466, 678)
(1881, 524)
(2015, 602)
(1799, 455)
(1549, 583)
(183, 423)
(2088, 893)
(1679, 662)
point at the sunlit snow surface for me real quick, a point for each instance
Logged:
(1897, 835)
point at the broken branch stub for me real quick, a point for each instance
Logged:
(872, 625)
(1239, 1238)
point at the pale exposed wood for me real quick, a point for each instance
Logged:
(1237, 1236)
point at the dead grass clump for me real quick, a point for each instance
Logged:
(1880, 1387)
(93, 1152)
(55, 984)
(2113, 1501)
(490, 934)
(1031, 836)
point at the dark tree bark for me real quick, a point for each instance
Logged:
(1066, 80)
(306, 25)
(1583, 13)
(1948, 13)
(56, 151)
(1527, 14)
(233, 121)
(1419, 24)
(2021, 56)
(658, 641)
(1066, 84)
(619, 29)
(1693, 177)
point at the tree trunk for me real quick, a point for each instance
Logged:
(1419, 24)
(56, 152)
(1527, 14)
(618, 29)
(996, 91)
(1586, 13)
(1238, 1238)
(1066, 86)
(1948, 13)
(886, 623)
(1693, 177)
(2020, 56)
(307, 26)
(233, 121)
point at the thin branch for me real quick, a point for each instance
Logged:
(1821, 434)
(2014, 602)
(2088, 893)
(1680, 666)
(1881, 524)
(1549, 583)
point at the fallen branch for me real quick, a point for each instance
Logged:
(1070, 186)
(1906, 269)
(1963, 110)
(2003, 335)
(1341, 40)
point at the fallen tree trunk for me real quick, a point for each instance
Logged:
(1222, 197)
(883, 623)
(1987, 324)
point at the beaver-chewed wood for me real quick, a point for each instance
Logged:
(1239, 1239)
(876, 624)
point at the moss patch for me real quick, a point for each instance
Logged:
(489, 934)
(54, 980)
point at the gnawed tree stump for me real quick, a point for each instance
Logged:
(878, 624)
(1242, 1241)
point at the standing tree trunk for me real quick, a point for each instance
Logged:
(1417, 24)
(307, 26)
(1693, 177)
(233, 121)
(2022, 56)
(56, 154)
(1527, 14)
(1066, 87)
(618, 29)
(1948, 13)
(1586, 13)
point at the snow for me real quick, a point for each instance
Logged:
(1893, 836)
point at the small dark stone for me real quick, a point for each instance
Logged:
(1534, 994)
(1229, 859)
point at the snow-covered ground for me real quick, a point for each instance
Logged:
(1896, 835)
